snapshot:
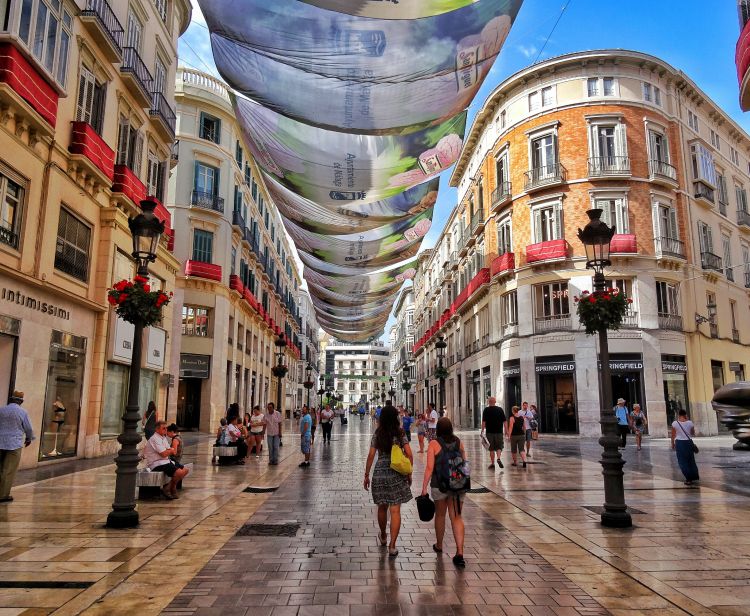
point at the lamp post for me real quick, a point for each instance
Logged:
(596, 237)
(280, 369)
(322, 390)
(382, 393)
(406, 385)
(146, 230)
(391, 391)
(308, 384)
(440, 347)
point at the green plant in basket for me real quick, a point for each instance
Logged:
(134, 301)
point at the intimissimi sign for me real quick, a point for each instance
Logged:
(16, 297)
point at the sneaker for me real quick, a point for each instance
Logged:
(500, 464)
(524, 464)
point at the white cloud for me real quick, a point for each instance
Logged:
(528, 51)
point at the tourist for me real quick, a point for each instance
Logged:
(432, 419)
(313, 413)
(639, 422)
(233, 411)
(15, 434)
(529, 424)
(494, 427)
(221, 432)
(421, 424)
(274, 421)
(390, 489)
(158, 452)
(361, 412)
(517, 434)
(176, 442)
(305, 432)
(149, 420)
(406, 421)
(682, 431)
(233, 438)
(450, 502)
(257, 430)
(326, 423)
(623, 421)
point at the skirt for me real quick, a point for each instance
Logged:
(389, 487)
(686, 460)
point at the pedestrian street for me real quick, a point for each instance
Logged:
(534, 545)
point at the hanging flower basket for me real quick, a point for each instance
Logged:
(602, 309)
(134, 301)
(441, 373)
(406, 386)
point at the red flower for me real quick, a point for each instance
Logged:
(585, 293)
(122, 298)
(147, 288)
(140, 279)
(630, 301)
(592, 299)
(607, 296)
(112, 301)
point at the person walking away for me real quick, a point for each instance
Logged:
(234, 439)
(176, 442)
(390, 489)
(406, 421)
(421, 430)
(305, 432)
(274, 420)
(682, 431)
(432, 419)
(517, 434)
(158, 454)
(149, 420)
(15, 434)
(326, 423)
(528, 431)
(623, 421)
(444, 452)
(361, 412)
(257, 430)
(494, 427)
(640, 423)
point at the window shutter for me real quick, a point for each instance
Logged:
(537, 226)
(136, 163)
(558, 213)
(621, 145)
(86, 85)
(217, 174)
(122, 141)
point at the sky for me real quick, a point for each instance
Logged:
(694, 36)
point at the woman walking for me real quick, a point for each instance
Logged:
(444, 502)
(517, 437)
(390, 489)
(682, 431)
(257, 430)
(421, 430)
(639, 421)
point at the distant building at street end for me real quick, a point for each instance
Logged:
(358, 371)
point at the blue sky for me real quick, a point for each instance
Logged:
(691, 35)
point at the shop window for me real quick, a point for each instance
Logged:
(73, 246)
(115, 399)
(203, 245)
(91, 99)
(210, 128)
(195, 321)
(11, 202)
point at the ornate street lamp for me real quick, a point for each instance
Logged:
(280, 369)
(308, 384)
(406, 385)
(382, 392)
(440, 347)
(322, 390)
(596, 237)
(146, 230)
(392, 391)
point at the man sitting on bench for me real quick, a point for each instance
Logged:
(158, 449)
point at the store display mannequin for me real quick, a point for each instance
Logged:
(59, 419)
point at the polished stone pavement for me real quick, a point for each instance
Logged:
(534, 545)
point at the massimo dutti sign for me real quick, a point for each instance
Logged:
(16, 297)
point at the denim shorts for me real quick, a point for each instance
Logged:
(305, 443)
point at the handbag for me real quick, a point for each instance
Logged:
(485, 440)
(399, 462)
(695, 447)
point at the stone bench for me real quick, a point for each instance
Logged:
(226, 454)
(149, 483)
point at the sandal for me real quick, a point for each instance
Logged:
(392, 552)
(167, 494)
(382, 540)
(436, 548)
(459, 561)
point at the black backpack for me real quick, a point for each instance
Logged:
(452, 470)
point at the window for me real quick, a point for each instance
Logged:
(733, 317)
(73, 246)
(741, 195)
(135, 32)
(592, 86)
(194, 321)
(667, 298)
(552, 300)
(509, 309)
(233, 263)
(723, 194)
(614, 212)
(544, 154)
(547, 219)
(502, 119)
(161, 8)
(659, 146)
(665, 223)
(717, 374)
(608, 147)
(734, 156)
(129, 146)
(206, 179)
(692, 121)
(203, 246)
(705, 235)
(91, 99)
(238, 153)
(45, 28)
(711, 313)
(541, 98)
(715, 139)
(157, 170)
(210, 128)
(651, 94)
(726, 244)
(504, 236)
(600, 86)
(11, 200)
(547, 96)
(703, 164)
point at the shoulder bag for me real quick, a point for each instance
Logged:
(399, 462)
(695, 447)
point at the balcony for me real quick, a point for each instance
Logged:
(552, 323)
(723, 203)
(743, 218)
(89, 149)
(742, 63)
(207, 201)
(136, 76)
(623, 244)
(505, 263)
(501, 195)
(670, 321)
(704, 194)
(662, 172)
(8, 237)
(510, 330)
(609, 166)
(630, 320)
(104, 28)
(235, 283)
(239, 221)
(201, 269)
(710, 261)
(669, 247)
(477, 223)
(126, 181)
(462, 242)
(164, 114)
(25, 92)
(553, 250)
(747, 280)
(540, 177)
(454, 259)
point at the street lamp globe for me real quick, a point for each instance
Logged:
(146, 230)
(596, 237)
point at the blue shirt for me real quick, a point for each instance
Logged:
(622, 415)
(406, 421)
(305, 425)
(15, 427)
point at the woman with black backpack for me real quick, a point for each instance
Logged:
(447, 474)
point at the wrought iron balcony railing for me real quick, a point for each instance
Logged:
(207, 201)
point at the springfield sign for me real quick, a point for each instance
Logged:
(16, 297)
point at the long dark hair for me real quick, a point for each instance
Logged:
(444, 430)
(389, 427)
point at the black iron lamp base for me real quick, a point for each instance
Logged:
(122, 519)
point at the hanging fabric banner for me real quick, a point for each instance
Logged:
(345, 299)
(391, 9)
(356, 74)
(363, 284)
(322, 267)
(330, 167)
(354, 216)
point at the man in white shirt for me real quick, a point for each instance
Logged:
(432, 419)
(528, 417)
(158, 449)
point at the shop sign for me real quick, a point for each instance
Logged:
(122, 347)
(512, 370)
(16, 297)
(671, 366)
(155, 348)
(556, 367)
(624, 364)
(194, 366)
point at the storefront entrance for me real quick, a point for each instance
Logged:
(189, 404)
(627, 380)
(674, 375)
(512, 376)
(9, 330)
(556, 392)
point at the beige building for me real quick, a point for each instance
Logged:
(86, 132)
(238, 286)
(629, 134)
(358, 372)
(402, 342)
